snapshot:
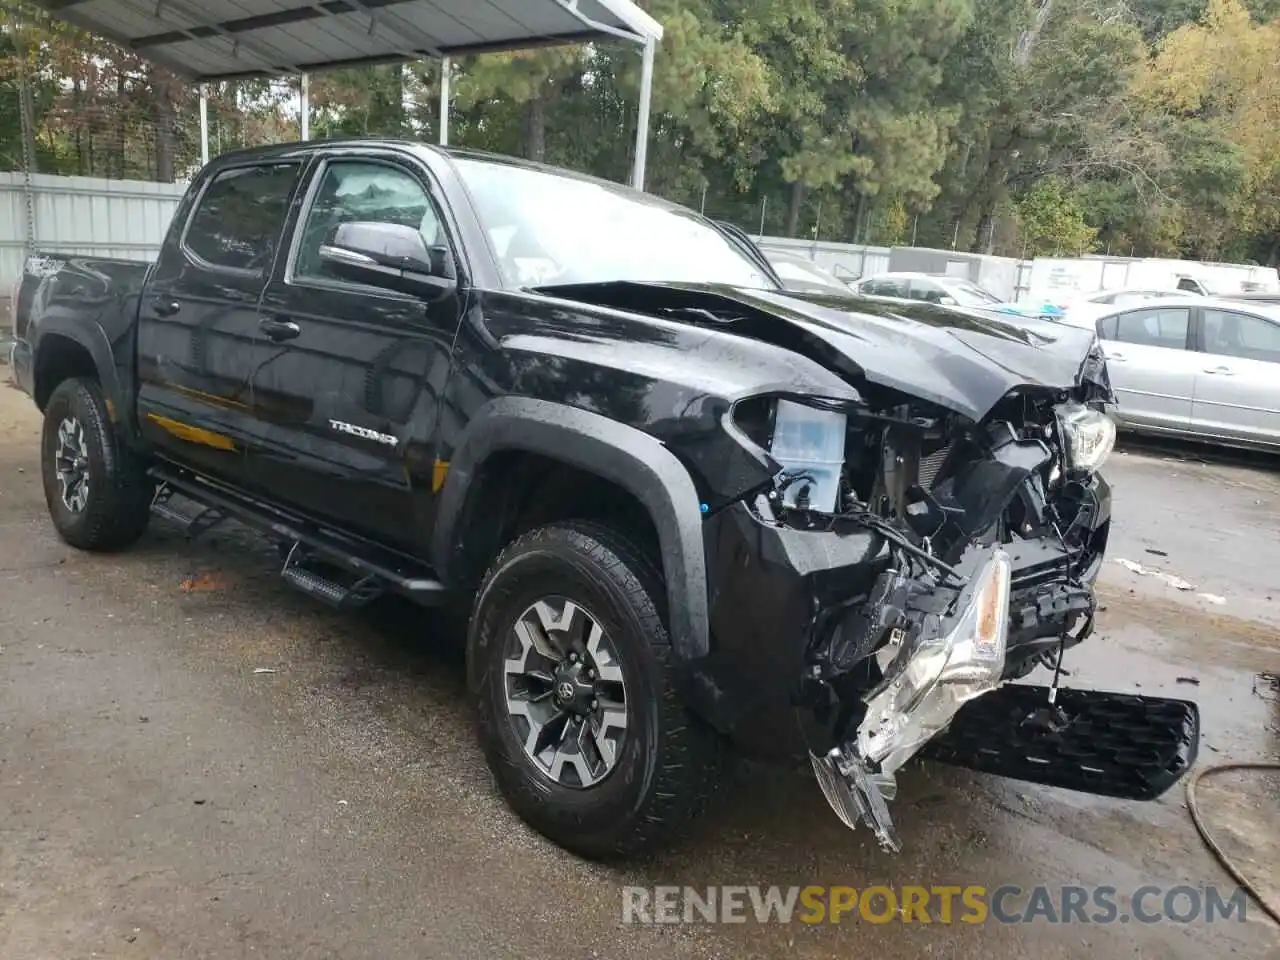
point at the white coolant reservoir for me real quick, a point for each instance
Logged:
(809, 444)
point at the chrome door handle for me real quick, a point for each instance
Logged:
(166, 306)
(1116, 356)
(1223, 371)
(278, 330)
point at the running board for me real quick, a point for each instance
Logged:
(371, 569)
(192, 525)
(360, 591)
(1092, 741)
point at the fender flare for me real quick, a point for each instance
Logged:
(93, 339)
(619, 453)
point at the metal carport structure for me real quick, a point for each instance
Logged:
(211, 40)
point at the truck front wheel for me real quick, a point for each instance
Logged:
(571, 667)
(97, 490)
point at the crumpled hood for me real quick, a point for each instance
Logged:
(962, 360)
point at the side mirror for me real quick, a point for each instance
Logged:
(393, 256)
(947, 301)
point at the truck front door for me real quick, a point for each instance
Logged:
(348, 377)
(199, 315)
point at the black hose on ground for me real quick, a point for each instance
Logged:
(1227, 863)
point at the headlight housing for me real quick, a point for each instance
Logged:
(932, 675)
(1088, 436)
(809, 444)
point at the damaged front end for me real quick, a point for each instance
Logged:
(930, 671)
(926, 560)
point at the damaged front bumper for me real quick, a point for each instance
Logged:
(928, 677)
(787, 606)
(782, 681)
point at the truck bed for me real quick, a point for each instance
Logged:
(53, 281)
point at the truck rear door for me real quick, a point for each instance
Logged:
(199, 315)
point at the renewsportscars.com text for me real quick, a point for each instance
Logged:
(973, 904)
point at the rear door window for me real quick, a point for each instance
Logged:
(239, 218)
(1231, 334)
(1154, 327)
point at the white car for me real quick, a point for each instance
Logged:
(805, 276)
(927, 287)
(1195, 367)
(1108, 301)
(1128, 295)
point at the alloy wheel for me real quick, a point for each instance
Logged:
(71, 461)
(565, 693)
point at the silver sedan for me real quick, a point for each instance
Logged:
(1195, 367)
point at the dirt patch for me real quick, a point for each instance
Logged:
(1129, 607)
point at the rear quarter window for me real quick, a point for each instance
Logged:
(240, 215)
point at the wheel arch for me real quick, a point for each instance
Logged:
(506, 431)
(66, 349)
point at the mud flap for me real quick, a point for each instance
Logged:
(1109, 744)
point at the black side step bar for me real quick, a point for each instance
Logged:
(329, 586)
(1109, 744)
(193, 525)
(370, 569)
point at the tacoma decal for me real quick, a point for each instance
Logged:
(364, 432)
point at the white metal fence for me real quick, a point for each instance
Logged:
(847, 261)
(81, 215)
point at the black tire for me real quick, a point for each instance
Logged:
(668, 762)
(118, 503)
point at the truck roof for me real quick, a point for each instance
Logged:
(304, 148)
(295, 147)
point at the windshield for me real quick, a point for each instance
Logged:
(546, 228)
(968, 294)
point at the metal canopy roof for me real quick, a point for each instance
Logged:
(233, 39)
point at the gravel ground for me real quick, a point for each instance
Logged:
(162, 799)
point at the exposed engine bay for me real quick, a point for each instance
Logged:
(993, 534)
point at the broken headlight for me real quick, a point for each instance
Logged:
(1088, 436)
(936, 672)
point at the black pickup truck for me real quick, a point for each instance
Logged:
(685, 507)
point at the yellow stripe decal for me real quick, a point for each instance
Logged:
(184, 431)
(209, 398)
(439, 471)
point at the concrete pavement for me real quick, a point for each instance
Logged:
(161, 798)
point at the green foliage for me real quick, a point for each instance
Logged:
(1139, 126)
(1052, 221)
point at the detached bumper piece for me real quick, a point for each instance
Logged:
(857, 795)
(1092, 741)
(930, 674)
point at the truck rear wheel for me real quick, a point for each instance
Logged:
(571, 667)
(97, 490)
